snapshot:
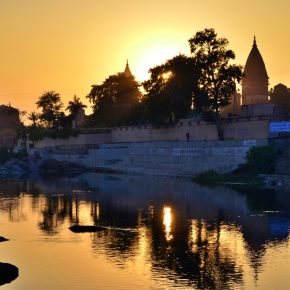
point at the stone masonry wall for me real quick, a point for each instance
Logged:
(236, 129)
(175, 158)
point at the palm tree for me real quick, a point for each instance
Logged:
(75, 105)
(34, 118)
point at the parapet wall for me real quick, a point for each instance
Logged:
(186, 129)
(192, 130)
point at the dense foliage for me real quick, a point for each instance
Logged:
(218, 77)
(261, 159)
(50, 104)
(114, 100)
(203, 82)
(169, 91)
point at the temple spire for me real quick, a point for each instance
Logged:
(254, 43)
(255, 79)
(127, 71)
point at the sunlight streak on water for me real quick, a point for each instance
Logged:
(167, 222)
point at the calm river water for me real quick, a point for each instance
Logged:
(164, 233)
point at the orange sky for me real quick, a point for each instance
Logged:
(68, 45)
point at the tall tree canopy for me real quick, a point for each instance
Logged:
(218, 78)
(75, 105)
(114, 100)
(280, 95)
(50, 103)
(204, 81)
(169, 91)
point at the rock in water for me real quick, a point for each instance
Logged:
(86, 229)
(8, 273)
(2, 239)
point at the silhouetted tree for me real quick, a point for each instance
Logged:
(50, 103)
(114, 100)
(280, 95)
(75, 105)
(218, 78)
(169, 91)
(34, 118)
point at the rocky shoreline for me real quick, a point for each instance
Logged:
(35, 165)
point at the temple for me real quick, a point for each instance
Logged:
(9, 124)
(255, 94)
(127, 71)
(255, 79)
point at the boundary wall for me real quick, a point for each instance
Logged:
(186, 129)
(235, 129)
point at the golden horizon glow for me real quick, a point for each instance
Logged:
(68, 45)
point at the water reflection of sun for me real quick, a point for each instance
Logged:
(167, 222)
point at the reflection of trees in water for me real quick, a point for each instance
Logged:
(199, 261)
(183, 240)
(121, 240)
(10, 193)
(56, 210)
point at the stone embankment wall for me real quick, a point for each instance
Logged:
(171, 158)
(187, 149)
(235, 129)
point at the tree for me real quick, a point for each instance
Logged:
(218, 77)
(170, 89)
(261, 159)
(34, 118)
(50, 103)
(280, 95)
(75, 105)
(114, 100)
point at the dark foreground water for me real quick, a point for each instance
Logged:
(164, 233)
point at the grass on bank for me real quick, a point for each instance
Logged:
(212, 178)
(259, 160)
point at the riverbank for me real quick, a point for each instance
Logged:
(236, 179)
(24, 166)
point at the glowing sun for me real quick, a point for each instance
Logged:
(152, 53)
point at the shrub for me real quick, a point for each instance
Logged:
(261, 159)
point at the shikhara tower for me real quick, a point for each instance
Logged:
(255, 79)
(127, 71)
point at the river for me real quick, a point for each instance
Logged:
(161, 233)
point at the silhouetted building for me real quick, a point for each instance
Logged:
(255, 95)
(255, 79)
(127, 71)
(9, 124)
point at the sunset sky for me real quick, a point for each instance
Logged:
(68, 45)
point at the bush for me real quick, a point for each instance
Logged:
(261, 159)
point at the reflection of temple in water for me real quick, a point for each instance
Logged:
(199, 235)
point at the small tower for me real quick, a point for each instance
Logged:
(255, 79)
(127, 71)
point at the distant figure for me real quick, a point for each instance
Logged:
(187, 136)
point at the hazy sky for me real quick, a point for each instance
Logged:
(68, 45)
